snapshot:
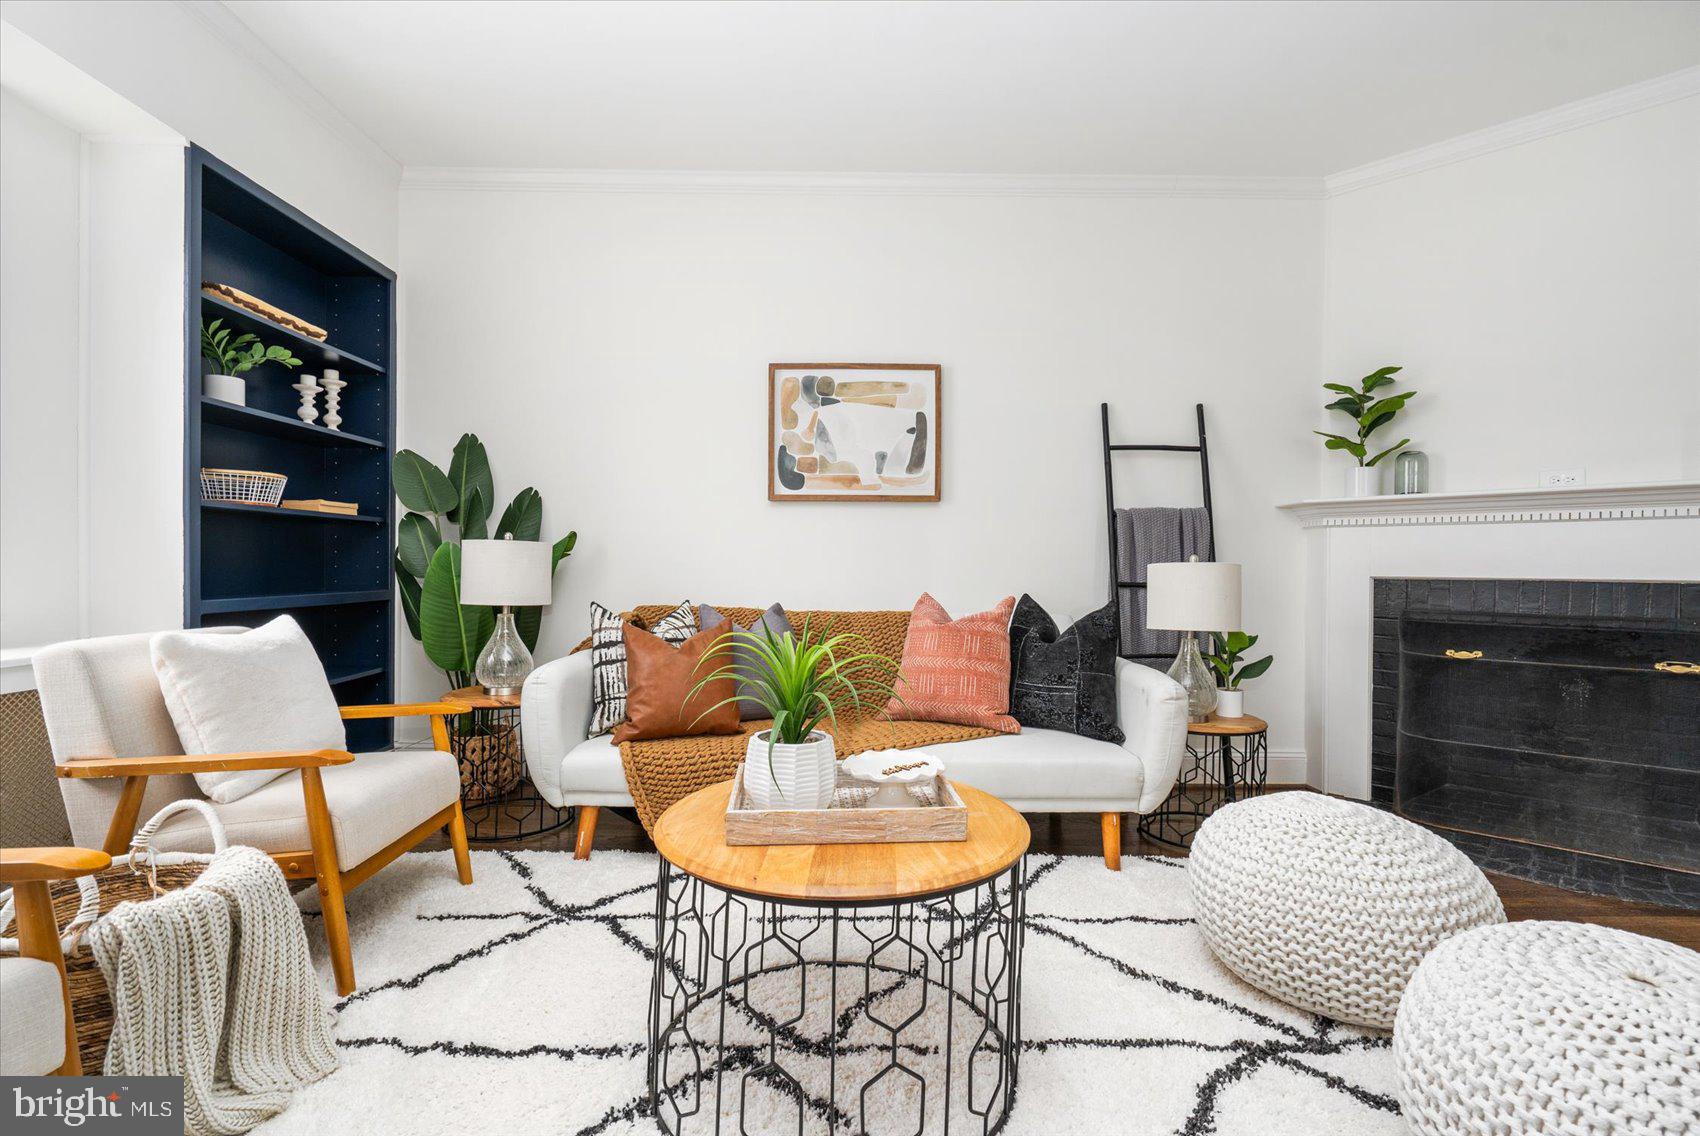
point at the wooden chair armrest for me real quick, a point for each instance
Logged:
(201, 763)
(20, 864)
(406, 710)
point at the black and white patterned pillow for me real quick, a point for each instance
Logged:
(1064, 681)
(608, 659)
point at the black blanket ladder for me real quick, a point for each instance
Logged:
(1117, 583)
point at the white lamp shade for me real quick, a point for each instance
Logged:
(1192, 596)
(505, 572)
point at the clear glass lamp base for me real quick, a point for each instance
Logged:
(1196, 678)
(504, 662)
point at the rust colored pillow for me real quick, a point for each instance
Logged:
(957, 670)
(660, 675)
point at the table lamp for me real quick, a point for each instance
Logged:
(505, 573)
(1192, 596)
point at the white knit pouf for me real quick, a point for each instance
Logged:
(1560, 1028)
(1329, 904)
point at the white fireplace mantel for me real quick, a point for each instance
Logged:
(1594, 532)
(1502, 506)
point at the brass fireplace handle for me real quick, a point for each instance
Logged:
(1677, 667)
(1451, 654)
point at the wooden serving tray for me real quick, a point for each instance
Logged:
(747, 825)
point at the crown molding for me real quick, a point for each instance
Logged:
(229, 29)
(1543, 124)
(1504, 506)
(908, 184)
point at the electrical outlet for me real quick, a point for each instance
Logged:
(1563, 478)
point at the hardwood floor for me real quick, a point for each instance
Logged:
(1079, 834)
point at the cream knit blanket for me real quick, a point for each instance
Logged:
(213, 983)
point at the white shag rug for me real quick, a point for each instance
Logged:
(519, 1005)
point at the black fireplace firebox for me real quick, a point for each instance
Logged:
(1550, 729)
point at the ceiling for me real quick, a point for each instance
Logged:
(1238, 89)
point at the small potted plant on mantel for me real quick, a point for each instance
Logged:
(233, 356)
(801, 679)
(1369, 414)
(1224, 657)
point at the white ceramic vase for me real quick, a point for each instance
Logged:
(225, 388)
(1230, 704)
(802, 776)
(1363, 481)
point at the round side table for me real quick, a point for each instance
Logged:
(861, 986)
(496, 794)
(1227, 759)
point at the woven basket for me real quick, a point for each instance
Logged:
(490, 764)
(245, 486)
(91, 1001)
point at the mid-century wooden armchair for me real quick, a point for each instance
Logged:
(343, 819)
(38, 1036)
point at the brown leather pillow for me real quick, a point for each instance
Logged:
(660, 675)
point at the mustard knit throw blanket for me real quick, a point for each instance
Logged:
(665, 770)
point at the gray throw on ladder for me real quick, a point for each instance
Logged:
(1154, 536)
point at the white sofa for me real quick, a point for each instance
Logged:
(1037, 771)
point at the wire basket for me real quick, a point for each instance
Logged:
(246, 486)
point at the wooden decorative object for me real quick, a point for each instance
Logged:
(320, 505)
(746, 825)
(268, 311)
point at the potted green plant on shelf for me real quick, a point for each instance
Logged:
(1368, 414)
(428, 575)
(231, 356)
(801, 679)
(1226, 651)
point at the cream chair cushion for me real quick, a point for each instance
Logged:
(373, 802)
(32, 1018)
(262, 690)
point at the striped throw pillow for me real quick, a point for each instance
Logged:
(956, 670)
(608, 658)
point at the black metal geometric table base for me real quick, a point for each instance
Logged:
(779, 1017)
(1217, 772)
(520, 814)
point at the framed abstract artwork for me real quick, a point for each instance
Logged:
(853, 431)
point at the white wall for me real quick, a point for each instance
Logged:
(1545, 299)
(40, 182)
(213, 82)
(612, 349)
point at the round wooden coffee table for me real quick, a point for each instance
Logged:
(814, 986)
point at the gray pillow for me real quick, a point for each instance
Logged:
(743, 657)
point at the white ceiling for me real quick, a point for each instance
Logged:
(1298, 88)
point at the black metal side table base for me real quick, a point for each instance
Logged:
(1217, 772)
(519, 815)
(781, 1017)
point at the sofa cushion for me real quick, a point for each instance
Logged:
(1044, 765)
(662, 695)
(261, 690)
(374, 801)
(956, 670)
(608, 658)
(1064, 681)
(32, 1028)
(743, 655)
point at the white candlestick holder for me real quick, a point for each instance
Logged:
(333, 384)
(309, 392)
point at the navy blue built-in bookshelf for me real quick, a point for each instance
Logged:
(245, 564)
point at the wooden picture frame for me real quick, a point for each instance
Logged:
(923, 476)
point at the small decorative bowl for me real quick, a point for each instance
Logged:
(897, 772)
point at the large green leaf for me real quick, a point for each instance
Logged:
(475, 516)
(421, 486)
(469, 469)
(416, 542)
(410, 591)
(453, 633)
(1252, 670)
(1353, 406)
(523, 518)
(1399, 445)
(529, 620)
(1342, 388)
(1380, 378)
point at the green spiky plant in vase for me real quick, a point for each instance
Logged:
(443, 510)
(1226, 651)
(1369, 413)
(801, 679)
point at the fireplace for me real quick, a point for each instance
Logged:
(1550, 729)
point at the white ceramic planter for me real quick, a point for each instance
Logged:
(225, 388)
(802, 776)
(1363, 481)
(1230, 704)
